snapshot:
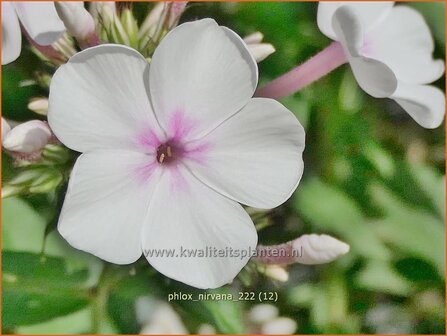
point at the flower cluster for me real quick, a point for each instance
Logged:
(173, 144)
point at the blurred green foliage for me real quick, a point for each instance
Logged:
(373, 178)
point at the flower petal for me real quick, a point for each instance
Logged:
(11, 35)
(106, 203)
(373, 76)
(99, 99)
(348, 29)
(403, 41)
(185, 215)
(28, 137)
(424, 103)
(204, 71)
(255, 157)
(368, 12)
(40, 21)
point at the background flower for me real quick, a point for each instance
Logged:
(390, 52)
(39, 19)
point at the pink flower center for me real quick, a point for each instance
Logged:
(169, 152)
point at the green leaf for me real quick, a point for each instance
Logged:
(414, 231)
(349, 96)
(121, 302)
(329, 307)
(433, 185)
(79, 322)
(329, 209)
(227, 314)
(36, 289)
(23, 229)
(379, 276)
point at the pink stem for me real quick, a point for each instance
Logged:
(91, 41)
(48, 51)
(318, 66)
(276, 254)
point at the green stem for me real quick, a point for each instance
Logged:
(99, 309)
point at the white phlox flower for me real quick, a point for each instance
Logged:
(170, 149)
(390, 50)
(38, 18)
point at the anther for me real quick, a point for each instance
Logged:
(165, 154)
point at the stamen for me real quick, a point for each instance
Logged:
(166, 153)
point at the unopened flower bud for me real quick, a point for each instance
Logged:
(310, 249)
(39, 105)
(78, 22)
(175, 12)
(151, 22)
(130, 25)
(316, 249)
(5, 129)
(100, 8)
(28, 137)
(279, 326)
(258, 50)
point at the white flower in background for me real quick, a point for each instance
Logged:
(266, 319)
(279, 326)
(259, 50)
(390, 52)
(5, 129)
(39, 19)
(262, 313)
(78, 21)
(206, 329)
(29, 137)
(164, 321)
(170, 150)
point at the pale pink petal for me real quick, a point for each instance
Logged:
(424, 103)
(369, 13)
(403, 41)
(40, 20)
(254, 157)
(99, 99)
(373, 76)
(203, 70)
(11, 35)
(186, 215)
(107, 200)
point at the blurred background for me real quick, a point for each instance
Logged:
(373, 178)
